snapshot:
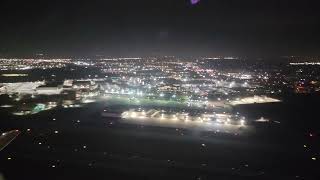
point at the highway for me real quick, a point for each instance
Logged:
(7, 137)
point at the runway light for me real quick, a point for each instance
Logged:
(174, 117)
(133, 115)
(242, 122)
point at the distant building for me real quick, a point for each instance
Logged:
(20, 87)
(84, 85)
(67, 84)
(50, 89)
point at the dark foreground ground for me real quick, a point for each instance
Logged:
(79, 144)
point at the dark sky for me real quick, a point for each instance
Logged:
(151, 27)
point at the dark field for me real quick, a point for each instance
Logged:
(100, 148)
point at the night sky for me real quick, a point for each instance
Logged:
(163, 27)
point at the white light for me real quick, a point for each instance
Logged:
(133, 114)
(242, 122)
(174, 117)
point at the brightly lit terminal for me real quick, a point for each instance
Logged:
(202, 121)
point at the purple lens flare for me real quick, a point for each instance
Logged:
(193, 2)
